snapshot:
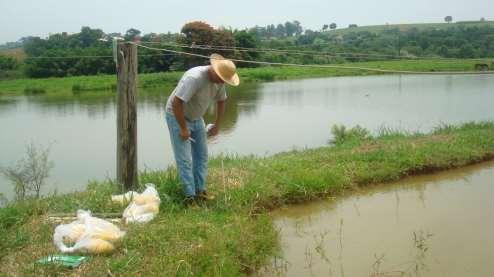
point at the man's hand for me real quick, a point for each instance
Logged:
(213, 131)
(184, 134)
(220, 110)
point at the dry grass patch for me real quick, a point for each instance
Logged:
(412, 142)
(227, 178)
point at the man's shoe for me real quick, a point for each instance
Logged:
(190, 201)
(203, 195)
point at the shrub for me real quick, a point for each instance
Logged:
(341, 134)
(29, 173)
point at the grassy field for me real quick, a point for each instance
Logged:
(80, 84)
(233, 234)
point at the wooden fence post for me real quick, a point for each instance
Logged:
(127, 115)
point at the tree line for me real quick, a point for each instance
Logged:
(64, 54)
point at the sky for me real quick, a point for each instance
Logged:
(19, 18)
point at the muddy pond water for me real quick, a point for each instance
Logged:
(431, 225)
(261, 119)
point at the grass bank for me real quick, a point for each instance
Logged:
(81, 84)
(233, 235)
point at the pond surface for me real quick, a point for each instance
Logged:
(432, 225)
(261, 118)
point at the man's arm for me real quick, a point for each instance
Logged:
(220, 111)
(178, 112)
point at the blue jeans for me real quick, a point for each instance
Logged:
(191, 156)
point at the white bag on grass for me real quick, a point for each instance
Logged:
(90, 234)
(124, 198)
(143, 207)
(67, 234)
(135, 213)
(92, 246)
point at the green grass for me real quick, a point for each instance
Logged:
(233, 235)
(80, 87)
(78, 84)
(34, 90)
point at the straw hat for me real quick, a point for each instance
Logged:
(225, 69)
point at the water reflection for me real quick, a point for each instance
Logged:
(102, 104)
(241, 100)
(261, 118)
(82, 129)
(7, 104)
(411, 228)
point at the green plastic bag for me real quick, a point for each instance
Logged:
(63, 260)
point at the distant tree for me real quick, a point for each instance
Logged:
(7, 63)
(201, 33)
(246, 40)
(298, 27)
(149, 61)
(332, 26)
(482, 19)
(352, 26)
(132, 34)
(197, 32)
(307, 38)
(448, 19)
(27, 39)
(270, 31)
(466, 51)
(88, 37)
(223, 37)
(280, 30)
(84, 43)
(325, 27)
(150, 37)
(255, 31)
(290, 29)
(318, 42)
(293, 28)
(443, 51)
